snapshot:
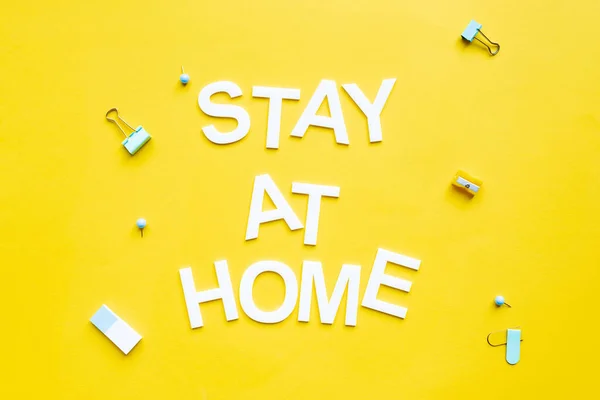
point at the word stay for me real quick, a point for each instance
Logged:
(325, 91)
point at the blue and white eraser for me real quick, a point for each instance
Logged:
(513, 346)
(471, 30)
(136, 140)
(114, 328)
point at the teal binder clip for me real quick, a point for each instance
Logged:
(136, 139)
(513, 345)
(471, 32)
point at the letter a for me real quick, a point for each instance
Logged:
(325, 90)
(262, 184)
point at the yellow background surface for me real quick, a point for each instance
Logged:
(527, 122)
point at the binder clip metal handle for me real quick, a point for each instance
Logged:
(489, 41)
(114, 121)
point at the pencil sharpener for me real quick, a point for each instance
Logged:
(467, 183)
(136, 140)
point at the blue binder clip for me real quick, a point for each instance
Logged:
(513, 345)
(471, 32)
(136, 139)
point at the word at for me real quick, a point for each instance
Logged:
(264, 184)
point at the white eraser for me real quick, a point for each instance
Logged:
(114, 328)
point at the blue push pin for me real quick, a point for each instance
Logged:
(141, 224)
(184, 78)
(471, 32)
(499, 301)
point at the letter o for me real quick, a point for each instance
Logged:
(291, 292)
